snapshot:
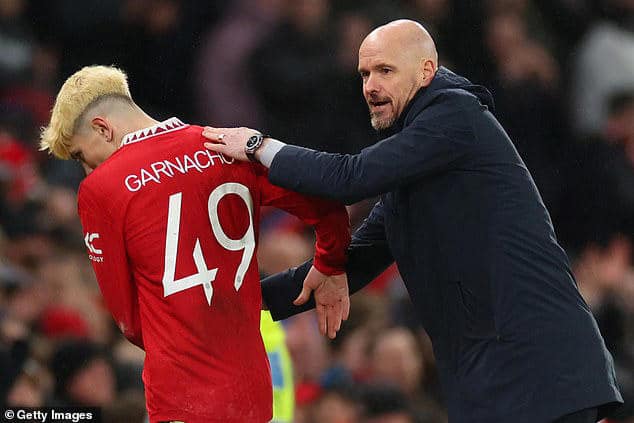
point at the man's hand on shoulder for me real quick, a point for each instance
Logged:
(331, 299)
(230, 142)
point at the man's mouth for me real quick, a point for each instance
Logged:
(378, 104)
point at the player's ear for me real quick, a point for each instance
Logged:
(102, 127)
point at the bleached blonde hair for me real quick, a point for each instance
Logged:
(81, 90)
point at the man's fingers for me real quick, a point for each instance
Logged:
(331, 320)
(333, 317)
(213, 136)
(216, 134)
(218, 148)
(339, 309)
(313, 280)
(346, 307)
(303, 296)
(321, 319)
(213, 130)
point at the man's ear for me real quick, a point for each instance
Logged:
(428, 69)
(103, 128)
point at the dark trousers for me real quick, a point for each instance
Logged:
(589, 415)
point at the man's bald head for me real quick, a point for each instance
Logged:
(395, 61)
(407, 36)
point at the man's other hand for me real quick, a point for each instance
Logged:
(229, 142)
(331, 299)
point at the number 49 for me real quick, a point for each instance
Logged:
(206, 276)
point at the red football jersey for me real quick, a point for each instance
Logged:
(171, 230)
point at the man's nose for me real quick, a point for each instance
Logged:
(371, 85)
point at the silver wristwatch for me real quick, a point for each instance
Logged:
(253, 143)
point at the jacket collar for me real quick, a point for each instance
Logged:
(443, 80)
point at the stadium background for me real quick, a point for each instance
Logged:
(562, 74)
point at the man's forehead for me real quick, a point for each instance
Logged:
(373, 54)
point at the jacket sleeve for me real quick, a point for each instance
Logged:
(422, 148)
(368, 257)
(104, 240)
(329, 219)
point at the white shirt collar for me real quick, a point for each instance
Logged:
(169, 125)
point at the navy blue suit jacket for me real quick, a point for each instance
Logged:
(459, 212)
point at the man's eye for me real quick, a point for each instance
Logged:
(386, 70)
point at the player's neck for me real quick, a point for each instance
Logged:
(135, 122)
(139, 121)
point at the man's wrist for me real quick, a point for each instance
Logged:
(268, 150)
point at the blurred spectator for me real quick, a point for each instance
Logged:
(61, 211)
(568, 20)
(225, 96)
(619, 127)
(161, 42)
(307, 348)
(25, 300)
(604, 274)
(336, 405)
(352, 133)
(465, 42)
(60, 323)
(128, 361)
(83, 375)
(128, 408)
(73, 301)
(160, 38)
(397, 360)
(305, 78)
(601, 172)
(517, 57)
(384, 404)
(604, 64)
(278, 250)
(16, 41)
(524, 81)
(25, 392)
(17, 169)
(349, 351)
(293, 74)
(14, 351)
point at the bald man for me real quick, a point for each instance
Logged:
(459, 213)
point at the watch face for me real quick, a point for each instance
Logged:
(252, 141)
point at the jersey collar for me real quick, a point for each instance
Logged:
(169, 125)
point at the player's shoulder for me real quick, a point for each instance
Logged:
(194, 130)
(189, 133)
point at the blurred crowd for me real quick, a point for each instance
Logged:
(562, 75)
